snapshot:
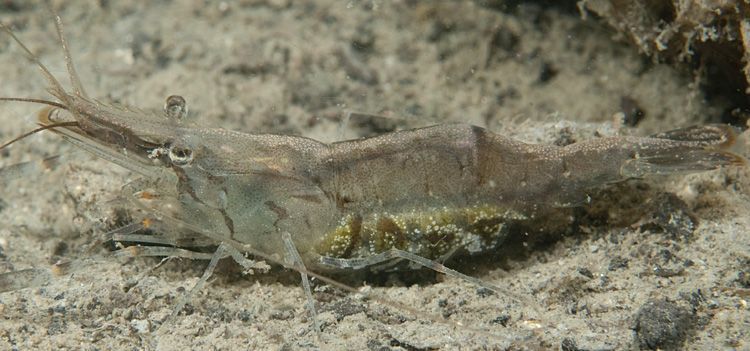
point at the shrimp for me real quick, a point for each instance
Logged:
(421, 195)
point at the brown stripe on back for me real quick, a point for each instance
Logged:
(484, 156)
(309, 198)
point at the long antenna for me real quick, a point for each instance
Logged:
(37, 130)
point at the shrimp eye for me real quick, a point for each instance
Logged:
(175, 107)
(180, 155)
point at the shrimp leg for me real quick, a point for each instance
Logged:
(396, 254)
(294, 256)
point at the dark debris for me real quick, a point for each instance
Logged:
(664, 325)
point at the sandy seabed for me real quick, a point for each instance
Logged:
(540, 75)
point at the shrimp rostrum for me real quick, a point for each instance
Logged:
(420, 195)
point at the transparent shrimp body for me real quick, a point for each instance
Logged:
(427, 192)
